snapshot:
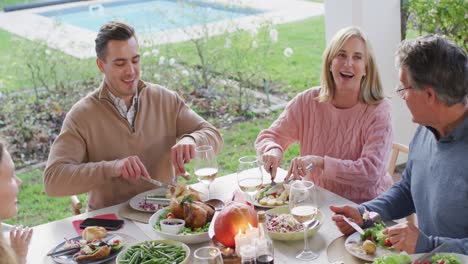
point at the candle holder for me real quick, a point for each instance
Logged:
(229, 254)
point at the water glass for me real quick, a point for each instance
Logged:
(208, 255)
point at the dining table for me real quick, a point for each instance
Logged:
(49, 235)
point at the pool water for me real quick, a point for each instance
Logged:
(147, 16)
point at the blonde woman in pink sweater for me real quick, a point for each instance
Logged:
(343, 127)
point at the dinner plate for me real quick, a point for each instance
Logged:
(257, 204)
(184, 238)
(140, 198)
(68, 259)
(121, 256)
(353, 245)
(462, 258)
(292, 235)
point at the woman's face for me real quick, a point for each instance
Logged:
(9, 184)
(349, 65)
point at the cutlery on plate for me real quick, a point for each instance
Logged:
(66, 251)
(158, 200)
(353, 225)
(428, 255)
(154, 182)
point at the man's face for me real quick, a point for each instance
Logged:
(121, 67)
(414, 99)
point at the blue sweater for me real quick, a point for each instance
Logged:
(435, 186)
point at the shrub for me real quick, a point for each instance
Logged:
(446, 17)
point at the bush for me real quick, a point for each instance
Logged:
(446, 17)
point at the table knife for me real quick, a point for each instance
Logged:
(354, 225)
(155, 182)
(428, 255)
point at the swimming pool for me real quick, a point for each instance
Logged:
(147, 16)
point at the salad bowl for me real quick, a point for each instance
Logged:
(286, 222)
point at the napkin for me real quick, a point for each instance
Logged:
(76, 223)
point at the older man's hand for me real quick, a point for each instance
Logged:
(403, 236)
(182, 153)
(348, 211)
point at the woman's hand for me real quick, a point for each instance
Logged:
(19, 241)
(299, 165)
(272, 160)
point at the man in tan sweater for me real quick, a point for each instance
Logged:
(124, 130)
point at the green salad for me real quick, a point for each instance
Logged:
(376, 235)
(403, 259)
(186, 230)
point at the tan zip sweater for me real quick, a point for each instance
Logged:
(94, 136)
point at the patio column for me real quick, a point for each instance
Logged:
(380, 20)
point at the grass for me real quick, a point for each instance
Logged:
(301, 70)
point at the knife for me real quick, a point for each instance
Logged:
(353, 225)
(155, 182)
(428, 255)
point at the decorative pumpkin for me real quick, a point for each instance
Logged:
(234, 217)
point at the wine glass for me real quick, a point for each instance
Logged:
(208, 255)
(304, 209)
(205, 165)
(249, 175)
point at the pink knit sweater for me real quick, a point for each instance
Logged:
(354, 142)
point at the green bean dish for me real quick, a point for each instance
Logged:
(153, 252)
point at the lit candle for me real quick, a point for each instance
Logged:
(247, 238)
(241, 240)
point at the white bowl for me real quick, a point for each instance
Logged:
(172, 226)
(293, 235)
(184, 238)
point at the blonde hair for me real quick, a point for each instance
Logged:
(371, 90)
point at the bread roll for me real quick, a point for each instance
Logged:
(94, 232)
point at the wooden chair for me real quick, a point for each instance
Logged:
(396, 149)
(75, 204)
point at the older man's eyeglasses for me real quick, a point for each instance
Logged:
(401, 91)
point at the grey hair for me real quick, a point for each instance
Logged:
(437, 62)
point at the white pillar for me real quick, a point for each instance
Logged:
(380, 20)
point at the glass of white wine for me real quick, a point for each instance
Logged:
(205, 165)
(249, 175)
(208, 255)
(302, 204)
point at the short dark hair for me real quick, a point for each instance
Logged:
(436, 61)
(114, 30)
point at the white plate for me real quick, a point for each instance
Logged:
(68, 259)
(354, 242)
(462, 258)
(140, 198)
(188, 238)
(257, 204)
